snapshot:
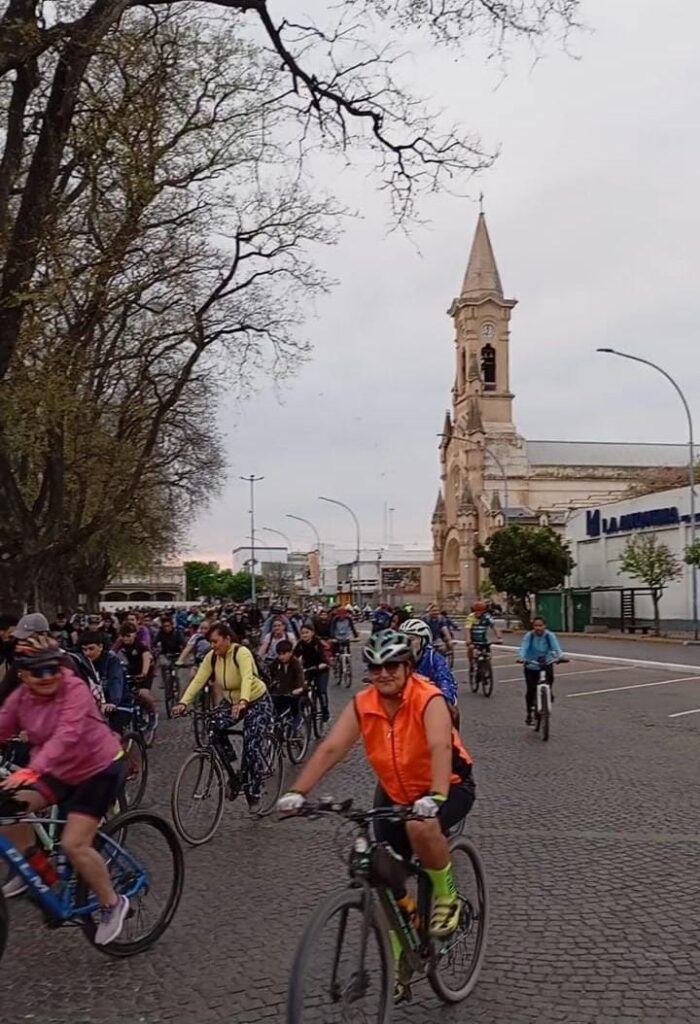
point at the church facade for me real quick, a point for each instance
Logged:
(490, 475)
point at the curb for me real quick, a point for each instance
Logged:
(625, 636)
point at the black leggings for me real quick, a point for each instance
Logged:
(457, 806)
(532, 678)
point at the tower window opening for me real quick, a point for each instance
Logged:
(488, 367)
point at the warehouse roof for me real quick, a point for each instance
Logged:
(605, 453)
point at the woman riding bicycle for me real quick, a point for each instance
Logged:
(231, 667)
(417, 756)
(539, 649)
(76, 760)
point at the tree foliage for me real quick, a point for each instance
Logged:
(522, 560)
(208, 580)
(692, 554)
(648, 559)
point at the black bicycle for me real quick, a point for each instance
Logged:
(481, 670)
(293, 734)
(311, 706)
(170, 681)
(344, 968)
(212, 774)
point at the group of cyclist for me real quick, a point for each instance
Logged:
(62, 683)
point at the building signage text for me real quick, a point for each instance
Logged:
(655, 517)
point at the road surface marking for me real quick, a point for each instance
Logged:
(671, 666)
(679, 714)
(565, 675)
(634, 686)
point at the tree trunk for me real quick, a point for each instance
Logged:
(656, 597)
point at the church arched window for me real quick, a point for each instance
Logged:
(463, 369)
(488, 367)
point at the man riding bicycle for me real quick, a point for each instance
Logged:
(478, 624)
(418, 758)
(429, 662)
(539, 649)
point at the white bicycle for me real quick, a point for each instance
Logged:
(543, 700)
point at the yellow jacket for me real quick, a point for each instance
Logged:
(236, 676)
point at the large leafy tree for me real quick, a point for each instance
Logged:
(521, 560)
(647, 558)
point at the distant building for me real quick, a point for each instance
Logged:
(490, 474)
(395, 574)
(264, 558)
(159, 584)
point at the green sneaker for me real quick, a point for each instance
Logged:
(444, 918)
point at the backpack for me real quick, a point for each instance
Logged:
(259, 669)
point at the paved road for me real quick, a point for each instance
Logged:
(592, 849)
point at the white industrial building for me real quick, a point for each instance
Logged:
(598, 537)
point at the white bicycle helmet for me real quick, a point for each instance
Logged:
(387, 646)
(419, 628)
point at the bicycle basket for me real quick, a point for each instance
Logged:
(388, 868)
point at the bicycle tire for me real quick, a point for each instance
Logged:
(348, 672)
(545, 723)
(298, 749)
(4, 925)
(209, 773)
(487, 679)
(120, 826)
(136, 754)
(311, 944)
(172, 691)
(436, 977)
(474, 678)
(273, 783)
(317, 723)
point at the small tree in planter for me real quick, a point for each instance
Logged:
(647, 558)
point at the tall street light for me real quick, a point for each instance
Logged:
(252, 480)
(334, 501)
(691, 464)
(285, 538)
(321, 567)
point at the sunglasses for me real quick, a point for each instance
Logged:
(392, 668)
(44, 671)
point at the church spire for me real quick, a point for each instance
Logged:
(482, 277)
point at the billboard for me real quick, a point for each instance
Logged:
(314, 570)
(405, 579)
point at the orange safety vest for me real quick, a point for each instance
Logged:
(398, 749)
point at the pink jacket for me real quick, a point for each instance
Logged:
(68, 736)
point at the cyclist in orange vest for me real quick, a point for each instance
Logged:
(418, 758)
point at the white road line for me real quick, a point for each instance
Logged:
(634, 686)
(561, 676)
(679, 714)
(671, 667)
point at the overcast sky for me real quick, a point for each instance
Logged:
(594, 216)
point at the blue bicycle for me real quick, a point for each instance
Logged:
(145, 863)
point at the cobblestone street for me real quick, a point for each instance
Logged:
(591, 847)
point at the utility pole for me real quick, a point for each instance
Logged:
(252, 480)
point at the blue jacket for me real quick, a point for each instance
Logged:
(534, 647)
(434, 667)
(111, 673)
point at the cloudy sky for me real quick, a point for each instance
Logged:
(594, 216)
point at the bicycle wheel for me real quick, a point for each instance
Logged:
(197, 800)
(317, 723)
(137, 768)
(473, 677)
(450, 657)
(4, 925)
(329, 982)
(172, 690)
(273, 778)
(487, 679)
(545, 721)
(457, 960)
(348, 671)
(152, 875)
(297, 740)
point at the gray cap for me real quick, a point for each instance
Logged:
(30, 624)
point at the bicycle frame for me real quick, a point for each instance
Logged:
(60, 905)
(544, 693)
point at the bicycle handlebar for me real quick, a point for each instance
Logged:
(343, 809)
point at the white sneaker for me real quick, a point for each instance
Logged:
(14, 886)
(111, 922)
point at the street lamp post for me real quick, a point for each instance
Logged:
(252, 480)
(321, 567)
(334, 501)
(691, 464)
(285, 538)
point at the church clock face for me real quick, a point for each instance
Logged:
(487, 331)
